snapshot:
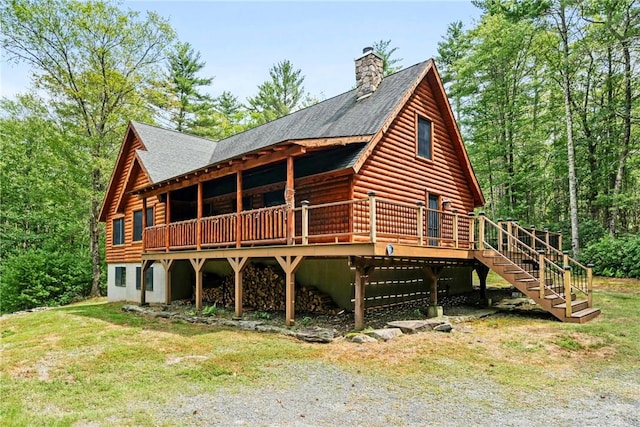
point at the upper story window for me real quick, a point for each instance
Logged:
(137, 226)
(137, 223)
(425, 148)
(118, 231)
(150, 216)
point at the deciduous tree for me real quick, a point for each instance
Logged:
(92, 60)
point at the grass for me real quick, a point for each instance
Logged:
(92, 362)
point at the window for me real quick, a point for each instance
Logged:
(121, 276)
(150, 217)
(148, 276)
(137, 223)
(137, 226)
(424, 138)
(118, 231)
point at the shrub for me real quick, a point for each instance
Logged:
(614, 257)
(40, 278)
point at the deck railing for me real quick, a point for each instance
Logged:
(370, 219)
(218, 230)
(266, 225)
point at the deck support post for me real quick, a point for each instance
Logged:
(167, 264)
(432, 274)
(289, 199)
(238, 264)
(198, 264)
(238, 209)
(167, 221)
(305, 222)
(420, 220)
(290, 264)
(199, 215)
(361, 279)
(483, 271)
(372, 215)
(146, 263)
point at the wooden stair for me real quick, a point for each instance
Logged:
(524, 277)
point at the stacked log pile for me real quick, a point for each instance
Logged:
(263, 289)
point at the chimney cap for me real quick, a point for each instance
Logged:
(367, 50)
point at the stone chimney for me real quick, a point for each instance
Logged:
(368, 73)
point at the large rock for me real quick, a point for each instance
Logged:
(319, 335)
(361, 339)
(385, 334)
(445, 327)
(409, 326)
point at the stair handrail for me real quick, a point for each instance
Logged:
(581, 276)
(502, 230)
(536, 238)
(532, 254)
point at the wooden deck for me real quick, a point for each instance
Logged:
(371, 233)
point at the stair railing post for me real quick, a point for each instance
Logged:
(509, 234)
(472, 229)
(542, 274)
(420, 220)
(481, 224)
(455, 228)
(546, 236)
(500, 235)
(305, 222)
(559, 241)
(567, 290)
(372, 215)
(565, 258)
(589, 284)
(533, 236)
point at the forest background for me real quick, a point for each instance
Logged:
(546, 93)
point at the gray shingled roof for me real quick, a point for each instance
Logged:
(170, 154)
(340, 116)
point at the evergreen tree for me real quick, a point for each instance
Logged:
(179, 97)
(280, 95)
(381, 47)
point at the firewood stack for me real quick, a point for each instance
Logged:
(263, 289)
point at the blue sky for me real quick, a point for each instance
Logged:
(240, 41)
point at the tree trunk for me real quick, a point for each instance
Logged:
(566, 87)
(624, 151)
(94, 232)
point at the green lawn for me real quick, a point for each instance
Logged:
(92, 362)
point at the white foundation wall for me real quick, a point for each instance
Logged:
(129, 292)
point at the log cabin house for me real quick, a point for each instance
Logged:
(367, 196)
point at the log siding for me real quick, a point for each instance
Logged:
(395, 171)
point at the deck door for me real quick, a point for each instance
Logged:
(433, 223)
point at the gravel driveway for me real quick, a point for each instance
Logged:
(319, 394)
